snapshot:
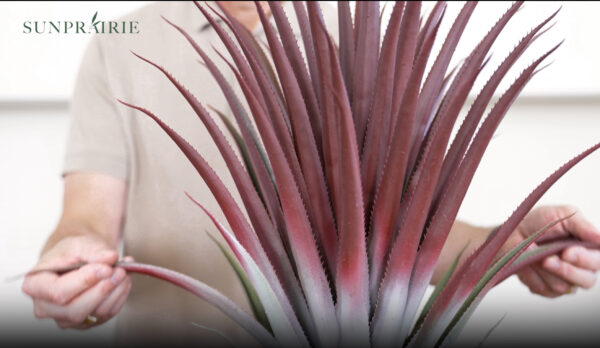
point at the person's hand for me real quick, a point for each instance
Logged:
(557, 275)
(74, 299)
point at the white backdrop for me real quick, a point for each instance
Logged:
(557, 117)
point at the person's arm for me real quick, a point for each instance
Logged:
(88, 231)
(555, 275)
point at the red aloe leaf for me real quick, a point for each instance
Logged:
(235, 218)
(208, 294)
(242, 149)
(485, 283)
(232, 212)
(442, 221)
(358, 8)
(251, 47)
(379, 116)
(310, 269)
(365, 65)
(257, 307)
(439, 286)
(256, 151)
(271, 91)
(405, 56)
(421, 189)
(331, 136)
(318, 202)
(451, 200)
(268, 236)
(276, 110)
(309, 49)
(271, 99)
(435, 15)
(244, 123)
(471, 271)
(346, 40)
(542, 251)
(394, 172)
(352, 273)
(434, 79)
(290, 44)
(284, 322)
(233, 50)
(467, 129)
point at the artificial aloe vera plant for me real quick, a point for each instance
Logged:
(348, 175)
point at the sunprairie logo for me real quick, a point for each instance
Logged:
(95, 26)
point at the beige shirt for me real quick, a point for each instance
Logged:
(162, 226)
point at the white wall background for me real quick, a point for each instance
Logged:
(557, 117)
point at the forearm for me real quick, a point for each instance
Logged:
(68, 228)
(462, 235)
(94, 206)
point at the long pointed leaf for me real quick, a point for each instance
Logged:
(541, 252)
(290, 44)
(309, 49)
(346, 41)
(505, 260)
(331, 136)
(268, 236)
(310, 269)
(379, 116)
(352, 272)
(257, 155)
(318, 203)
(284, 324)
(233, 214)
(380, 238)
(439, 227)
(439, 286)
(461, 284)
(476, 111)
(435, 77)
(365, 66)
(257, 308)
(208, 294)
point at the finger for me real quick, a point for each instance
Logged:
(554, 282)
(37, 285)
(57, 262)
(580, 227)
(128, 259)
(80, 307)
(533, 281)
(62, 289)
(117, 307)
(64, 324)
(554, 286)
(571, 274)
(582, 257)
(104, 310)
(108, 257)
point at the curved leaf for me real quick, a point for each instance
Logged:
(207, 293)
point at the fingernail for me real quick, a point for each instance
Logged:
(103, 272)
(117, 276)
(552, 263)
(572, 257)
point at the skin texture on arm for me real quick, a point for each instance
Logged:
(245, 12)
(88, 231)
(554, 276)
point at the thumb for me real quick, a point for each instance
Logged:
(107, 256)
(96, 250)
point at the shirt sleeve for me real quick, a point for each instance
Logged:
(96, 141)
